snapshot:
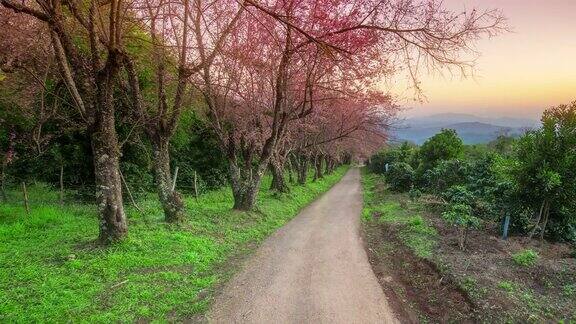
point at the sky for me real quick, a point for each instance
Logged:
(518, 74)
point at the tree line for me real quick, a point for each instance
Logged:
(269, 83)
(530, 179)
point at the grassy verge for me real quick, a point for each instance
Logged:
(384, 207)
(50, 270)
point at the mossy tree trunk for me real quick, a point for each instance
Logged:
(277, 168)
(318, 173)
(245, 184)
(301, 162)
(170, 198)
(113, 225)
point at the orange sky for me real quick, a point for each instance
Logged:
(518, 74)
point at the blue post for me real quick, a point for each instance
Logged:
(505, 228)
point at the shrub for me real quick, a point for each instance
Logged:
(445, 174)
(378, 161)
(414, 194)
(526, 258)
(545, 173)
(400, 176)
(403, 153)
(460, 215)
(506, 285)
(458, 195)
(569, 290)
(445, 145)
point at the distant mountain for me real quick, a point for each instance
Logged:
(472, 129)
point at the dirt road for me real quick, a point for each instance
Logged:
(312, 270)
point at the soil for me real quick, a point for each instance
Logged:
(415, 287)
(539, 292)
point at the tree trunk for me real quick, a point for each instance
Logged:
(290, 168)
(318, 168)
(245, 183)
(302, 167)
(546, 216)
(533, 231)
(329, 165)
(171, 200)
(278, 181)
(113, 226)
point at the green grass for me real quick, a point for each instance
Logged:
(525, 258)
(569, 290)
(507, 286)
(396, 209)
(50, 270)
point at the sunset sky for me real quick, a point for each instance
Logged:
(518, 74)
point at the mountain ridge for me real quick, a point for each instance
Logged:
(472, 129)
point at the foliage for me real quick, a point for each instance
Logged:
(381, 206)
(195, 148)
(51, 270)
(525, 258)
(445, 145)
(546, 170)
(400, 176)
(506, 285)
(414, 194)
(405, 153)
(445, 174)
(502, 145)
(458, 195)
(460, 215)
(569, 290)
(534, 174)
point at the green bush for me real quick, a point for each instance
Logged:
(415, 194)
(445, 145)
(400, 176)
(526, 258)
(445, 174)
(545, 171)
(569, 290)
(458, 195)
(506, 285)
(460, 215)
(403, 153)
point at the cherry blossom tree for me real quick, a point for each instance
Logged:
(185, 36)
(263, 67)
(87, 40)
(286, 56)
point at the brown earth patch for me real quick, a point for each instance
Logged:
(545, 292)
(415, 287)
(479, 284)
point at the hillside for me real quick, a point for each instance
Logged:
(472, 129)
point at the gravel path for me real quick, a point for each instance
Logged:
(312, 270)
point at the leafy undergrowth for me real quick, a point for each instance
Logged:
(51, 270)
(511, 280)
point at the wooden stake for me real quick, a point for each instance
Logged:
(2, 178)
(195, 186)
(25, 198)
(129, 193)
(174, 180)
(62, 185)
